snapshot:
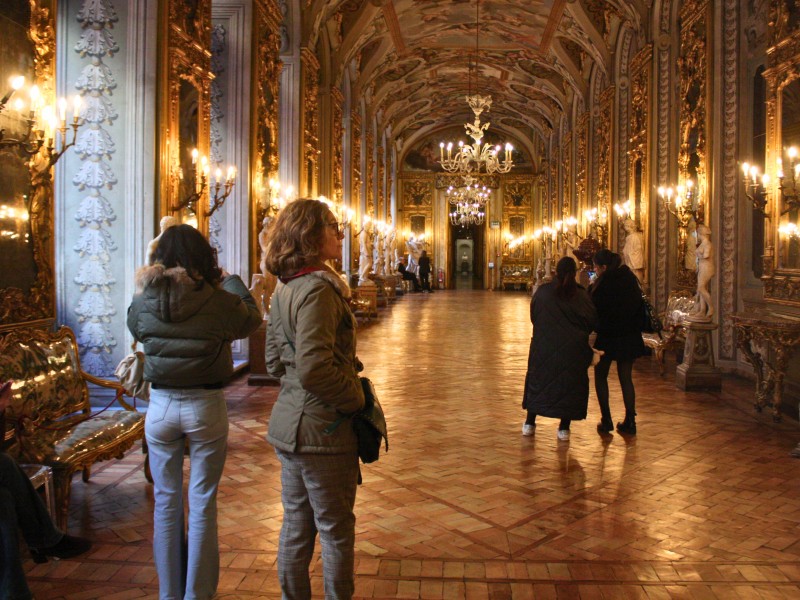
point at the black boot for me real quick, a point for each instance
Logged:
(68, 546)
(605, 426)
(628, 427)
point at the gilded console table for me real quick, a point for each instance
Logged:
(775, 334)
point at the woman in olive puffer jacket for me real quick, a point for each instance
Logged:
(311, 346)
(186, 314)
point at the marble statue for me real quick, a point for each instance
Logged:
(366, 248)
(415, 247)
(380, 246)
(389, 251)
(166, 223)
(633, 251)
(703, 307)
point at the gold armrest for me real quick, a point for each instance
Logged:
(106, 383)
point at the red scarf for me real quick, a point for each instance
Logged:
(300, 273)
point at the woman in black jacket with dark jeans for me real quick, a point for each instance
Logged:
(618, 298)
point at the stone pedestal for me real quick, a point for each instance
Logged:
(369, 292)
(697, 371)
(258, 364)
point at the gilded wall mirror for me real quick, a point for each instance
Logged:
(789, 245)
(516, 228)
(184, 111)
(27, 289)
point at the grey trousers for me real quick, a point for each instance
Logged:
(318, 492)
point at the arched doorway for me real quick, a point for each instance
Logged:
(467, 256)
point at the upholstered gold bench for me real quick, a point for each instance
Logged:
(673, 336)
(48, 421)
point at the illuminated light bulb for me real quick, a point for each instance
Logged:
(17, 82)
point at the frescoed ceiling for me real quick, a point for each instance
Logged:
(416, 60)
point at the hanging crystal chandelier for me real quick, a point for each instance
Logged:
(468, 202)
(476, 156)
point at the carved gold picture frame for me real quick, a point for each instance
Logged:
(781, 283)
(34, 306)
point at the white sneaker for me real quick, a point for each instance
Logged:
(528, 430)
(563, 435)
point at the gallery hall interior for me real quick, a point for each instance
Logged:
(461, 184)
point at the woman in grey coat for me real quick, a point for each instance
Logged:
(557, 382)
(311, 346)
(186, 313)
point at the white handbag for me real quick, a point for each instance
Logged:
(130, 372)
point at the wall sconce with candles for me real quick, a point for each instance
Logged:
(597, 219)
(624, 211)
(755, 187)
(190, 189)
(47, 125)
(221, 189)
(681, 201)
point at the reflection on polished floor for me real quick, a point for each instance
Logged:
(704, 503)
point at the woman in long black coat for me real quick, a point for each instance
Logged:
(557, 382)
(618, 298)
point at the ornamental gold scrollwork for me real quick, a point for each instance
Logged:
(311, 149)
(517, 194)
(337, 106)
(369, 176)
(582, 133)
(566, 176)
(417, 193)
(36, 304)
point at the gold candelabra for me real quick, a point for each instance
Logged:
(597, 219)
(221, 189)
(625, 210)
(47, 125)
(755, 187)
(189, 190)
(682, 202)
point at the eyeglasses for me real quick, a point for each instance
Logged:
(336, 226)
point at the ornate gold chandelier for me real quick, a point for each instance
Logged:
(476, 156)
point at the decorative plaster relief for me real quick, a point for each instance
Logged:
(95, 214)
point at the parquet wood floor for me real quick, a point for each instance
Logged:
(703, 503)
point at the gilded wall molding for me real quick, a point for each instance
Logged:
(442, 181)
(729, 214)
(381, 168)
(369, 176)
(337, 110)
(621, 184)
(663, 99)
(581, 160)
(604, 137)
(417, 193)
(310, 165)
(566, 175)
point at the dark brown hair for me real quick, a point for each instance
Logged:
(566, 286)
(184, 246)
(295, 237)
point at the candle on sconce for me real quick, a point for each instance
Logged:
(195, 154)
(231, 173)
(77, 101)
(62, 111)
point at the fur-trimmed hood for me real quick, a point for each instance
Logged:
(171, 294)
(333, 278)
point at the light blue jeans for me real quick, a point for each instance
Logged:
(187, 567)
